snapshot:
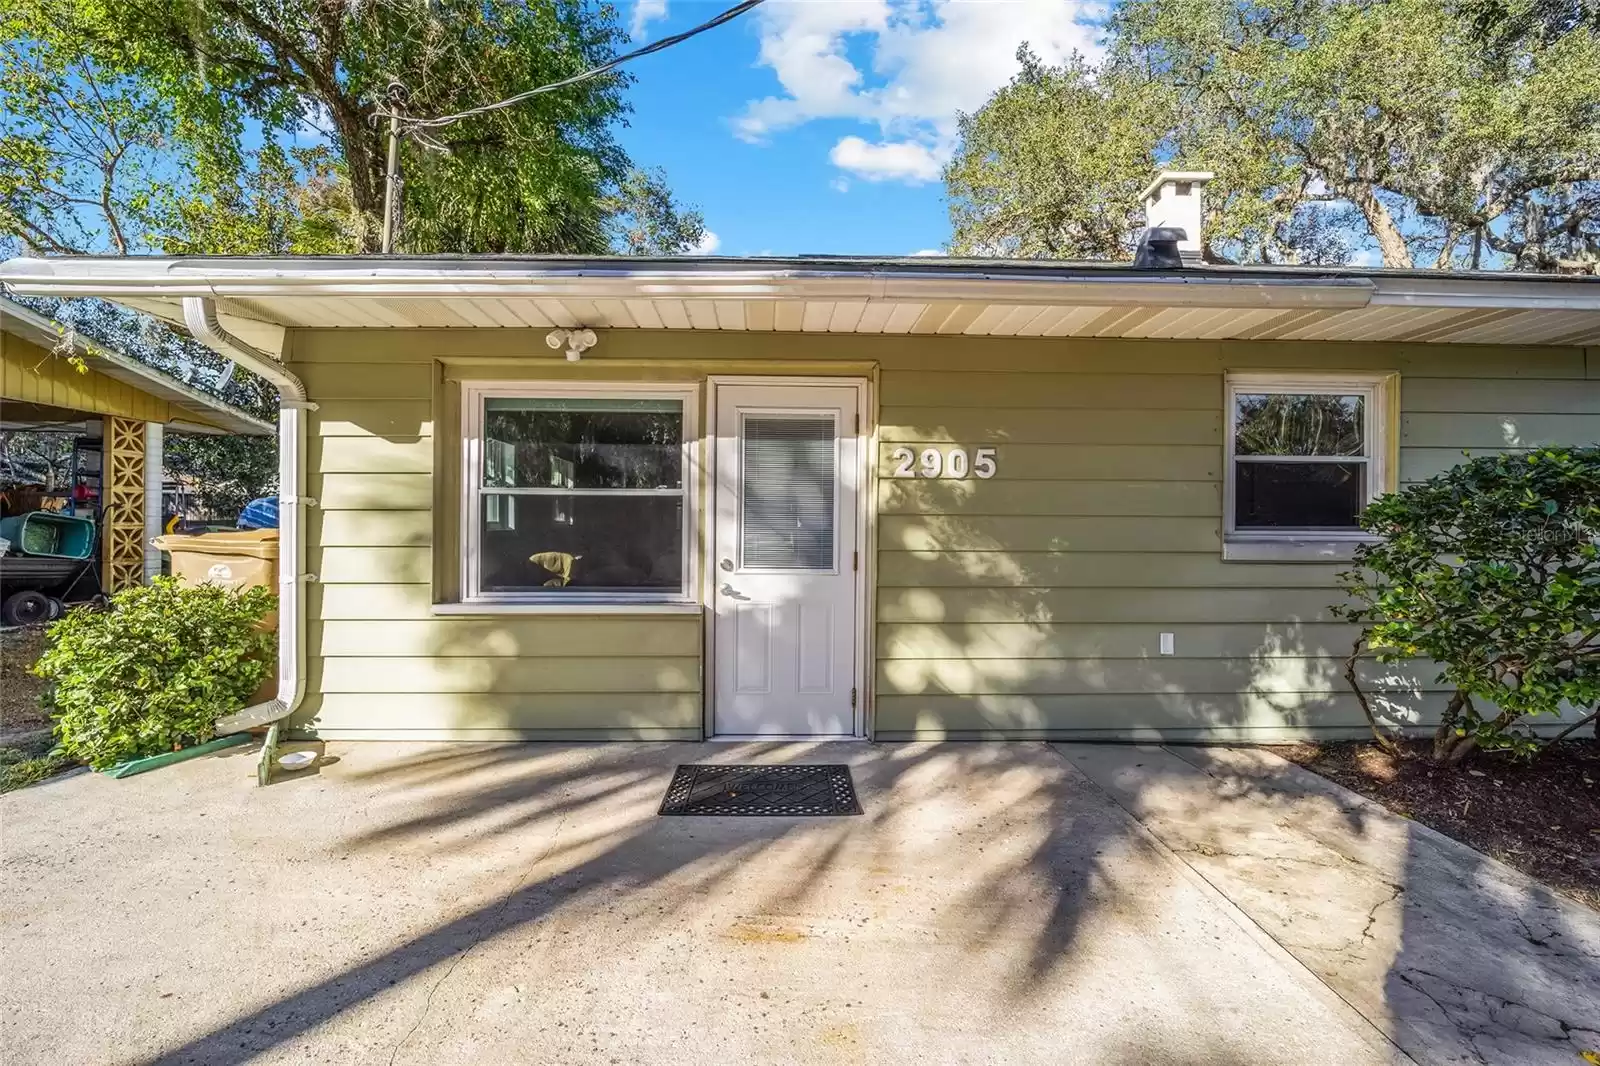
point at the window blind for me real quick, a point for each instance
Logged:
(787, 486)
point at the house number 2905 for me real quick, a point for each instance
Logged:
(936, 462)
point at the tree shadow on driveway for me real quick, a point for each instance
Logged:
(989, 904)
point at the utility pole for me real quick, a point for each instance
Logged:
(391, 177)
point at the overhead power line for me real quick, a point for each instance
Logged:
(412, 122)
(400, 123)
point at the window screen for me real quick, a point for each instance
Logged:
(788, 475)
(1300, 460)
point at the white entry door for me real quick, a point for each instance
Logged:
(786, 560)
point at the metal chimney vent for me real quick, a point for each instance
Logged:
(1159, 248)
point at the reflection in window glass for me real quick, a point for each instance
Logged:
(582, 443)
(1298, 424)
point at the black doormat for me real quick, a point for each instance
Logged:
(790, 789)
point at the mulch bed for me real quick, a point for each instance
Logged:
(20, 648)
(1541, 817)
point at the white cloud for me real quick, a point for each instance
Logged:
(924, 61)
(707, 245)
(1365, 257)
(840, 184)
(644, 13)
(929, 251)
(905, 161)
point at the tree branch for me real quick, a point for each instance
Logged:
(1384, 741)
(1565, 733)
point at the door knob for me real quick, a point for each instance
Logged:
(732, 593)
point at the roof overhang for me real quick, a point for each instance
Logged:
(261, 298)
(211, 415)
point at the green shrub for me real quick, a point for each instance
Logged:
(156, 670)
(1492, 570)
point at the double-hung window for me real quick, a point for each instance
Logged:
(1305, 455)
(576, 494)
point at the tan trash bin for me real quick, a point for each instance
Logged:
(235, 559)
(241, 559)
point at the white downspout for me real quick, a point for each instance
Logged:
(200, 315)
(154, 465)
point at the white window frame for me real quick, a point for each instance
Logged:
(473, 397)
(1376, 391)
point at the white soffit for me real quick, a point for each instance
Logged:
(259, 299)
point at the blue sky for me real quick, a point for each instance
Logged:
(818, 126)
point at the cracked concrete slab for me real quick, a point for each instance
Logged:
(523, 903)
(1457, 957)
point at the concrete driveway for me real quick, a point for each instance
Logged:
(524, 904)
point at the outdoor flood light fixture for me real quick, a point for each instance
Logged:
(577, 341)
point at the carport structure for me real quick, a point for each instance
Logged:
(53, 380)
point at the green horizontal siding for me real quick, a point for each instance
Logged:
(1048, 533)
(1494, 431)
(370, 455)
(1224, 715)
(1030, 604)
(510, 637)
(1062, 677)
(1068, 391)
(374, 492)
(1090, 462)
(1154, 606)
(493, 716)
(1102, 640)
(1113, 499)
(372, 418)
(376, 529)
(1127, 423)
(380, 662)
(1085, 569)
(600, 674)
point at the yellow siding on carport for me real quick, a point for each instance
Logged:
(1028, 605)
(31, 374)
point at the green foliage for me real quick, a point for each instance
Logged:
(1051, 167)
(1492, 570)
(227, 472)
(524, 179)
(645, 220)
(30, 762)
(1442, 132)
(129, 126)
(156, 670)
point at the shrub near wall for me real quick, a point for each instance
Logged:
(1491, 569)
(156, 670)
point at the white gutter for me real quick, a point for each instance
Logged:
(909, 280)
(387, 279)
(200, 315)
